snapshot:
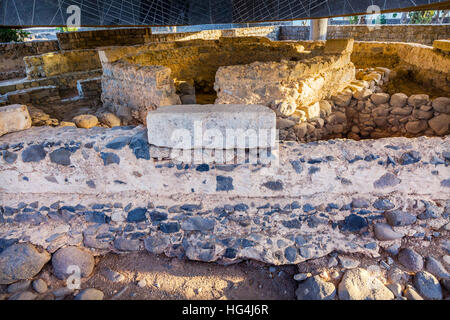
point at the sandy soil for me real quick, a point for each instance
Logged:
(148, 276)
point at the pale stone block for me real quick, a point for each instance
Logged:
(443, 45)
(312, 111)
(14, 118)
(338, 46)
(216, 126)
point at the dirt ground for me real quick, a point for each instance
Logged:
(152, 277)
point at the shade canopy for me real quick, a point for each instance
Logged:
(193, 12)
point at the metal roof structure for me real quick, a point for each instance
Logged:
(193, 12)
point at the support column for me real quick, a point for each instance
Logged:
(318, 29)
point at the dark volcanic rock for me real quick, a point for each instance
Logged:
(410, 259)
(60, 156)
(399, 218)
(34, 153)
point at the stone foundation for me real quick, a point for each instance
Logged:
(57, 63)
(102, 189)
(197, 61)
(297, 84)
(362, 110)
(12, 54)
(424, 34)
(130, 91)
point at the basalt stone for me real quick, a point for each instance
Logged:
(191, 207)
(360, 203)
(230, 253)
(9, 157)
(156, 244)
(245, 243)
(296, 164)
(21, 261)
(90, 184)
(314, 288)
(300, 240)
(34, 153)
(96, 217)
(431, 212)
(399, 218)
(170, 227)
(313, 169)
(427, 285)
(139, 145)
(273, 185)
(435, 267)
(445, 183)
(384, 232)
(66, 258)
(290, 253)
(305, 252)
(198, 224)
(410, 157)
(224, 183)
(157, 216)
(89, 294)
(308, 207)
(383, 204)
(123, 244)
(240, 207)
(109, 158)
(60, 156)
(387, 180)
(292, 224)
(410, 259)
(118, 143)
(354, 223)
(137, 215)
(202, 168)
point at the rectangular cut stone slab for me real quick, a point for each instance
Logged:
(214, 126)
(13, 118)
(443, 45)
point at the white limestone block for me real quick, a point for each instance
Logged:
(214, 126)
(13, 118)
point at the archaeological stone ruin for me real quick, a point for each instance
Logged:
(224, 146)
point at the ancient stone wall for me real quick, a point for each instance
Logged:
(63, 81)
(416, 62)
(12, 54)
(411, 62)
(135, 36)
(103, 189)
(364, 111)
(197, 61)
(57, 63)
(424, 34)
(298, 84)
(104, 37)
(271, 32)
(130, 91)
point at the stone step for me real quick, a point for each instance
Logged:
(64, 81)
(10, 85)
(38, 95)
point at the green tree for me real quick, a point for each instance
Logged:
(421, 17)
(353, 19)
(12, 35)
(66, 29)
